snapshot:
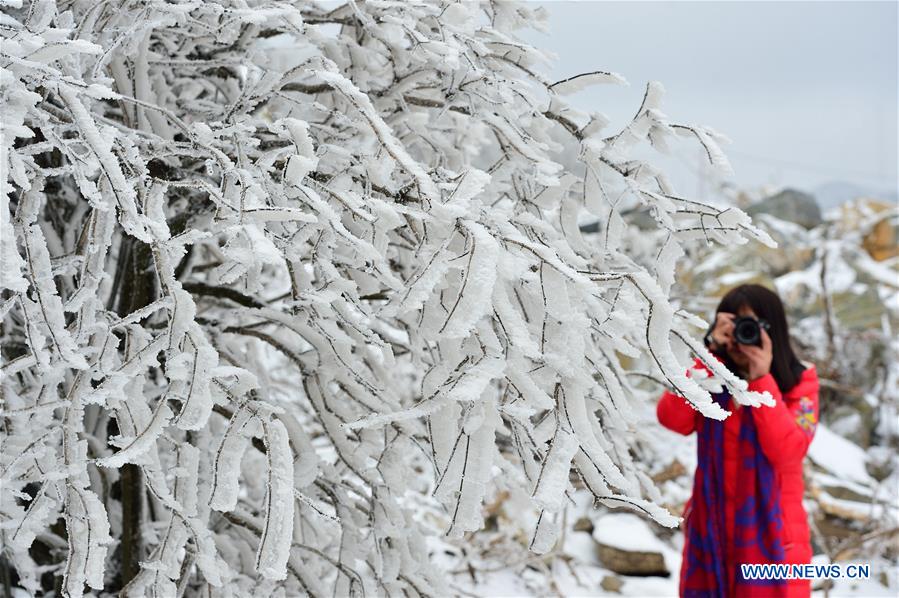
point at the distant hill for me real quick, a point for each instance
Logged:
(835, 193)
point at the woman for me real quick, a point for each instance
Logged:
(746, 505)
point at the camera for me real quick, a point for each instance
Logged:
(748, 330)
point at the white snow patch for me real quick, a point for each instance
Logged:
(627, 532)
(839, 456)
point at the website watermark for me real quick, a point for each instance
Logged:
(806, 571)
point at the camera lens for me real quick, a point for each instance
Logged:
(747, 332)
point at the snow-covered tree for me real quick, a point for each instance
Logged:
(274, 274)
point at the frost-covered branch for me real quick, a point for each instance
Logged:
(346, 240)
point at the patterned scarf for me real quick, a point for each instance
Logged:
(758, 521)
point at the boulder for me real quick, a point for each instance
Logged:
(881, 462)
(632, 562)
(611, 583)
(790, 205)
(583, 524)
(880, 242)
(627, 545)
(672, 471)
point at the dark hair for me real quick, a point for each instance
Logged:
(785, 366)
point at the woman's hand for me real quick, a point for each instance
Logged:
(723, 332)
(759, 358)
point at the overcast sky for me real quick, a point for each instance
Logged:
(807, 91)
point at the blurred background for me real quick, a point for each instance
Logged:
(807, 94)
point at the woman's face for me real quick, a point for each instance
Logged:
(735, 350)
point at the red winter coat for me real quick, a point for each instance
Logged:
(785, 432)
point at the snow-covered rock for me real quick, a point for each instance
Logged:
(627, 545)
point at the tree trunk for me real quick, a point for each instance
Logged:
(138, 289)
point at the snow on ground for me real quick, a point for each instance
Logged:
(839, 456)
(862, 588)
(627, 532)
(577, 581)
(649, 586)
(571, 579)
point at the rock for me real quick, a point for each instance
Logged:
(583, 525)
(880, 463)
(832, 527)
(632, 562)
(880, 243)
(674, 470)
(641, 218)
(611, 583)
(876, 220)
(627, 545)
(844, 493)
(848, 510)
(823, 586)
(676, 509)
(590, 227)
(790, 205)
(862, 311)
(495, 510)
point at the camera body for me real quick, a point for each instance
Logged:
(748, 330)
